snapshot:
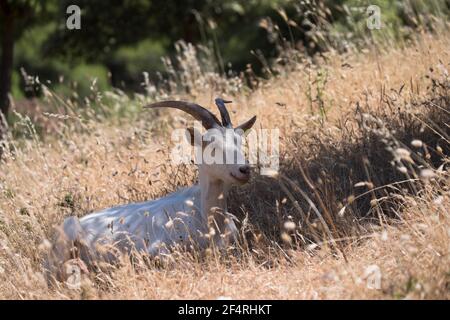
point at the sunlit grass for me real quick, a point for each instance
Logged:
(363, 182)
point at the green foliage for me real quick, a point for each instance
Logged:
(399, 18)
(119, 40)
(28, 13)
(128, 63)
(84, 80)
(15, 90)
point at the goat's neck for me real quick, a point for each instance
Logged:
(213, 195)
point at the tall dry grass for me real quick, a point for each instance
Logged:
(363, 183)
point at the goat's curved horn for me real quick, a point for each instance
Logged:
(208, 119)
(226, 121)
(246, 125)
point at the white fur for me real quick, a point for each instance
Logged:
(191, 218)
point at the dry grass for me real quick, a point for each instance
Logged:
(328, 145)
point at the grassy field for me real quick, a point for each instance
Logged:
(364, 145)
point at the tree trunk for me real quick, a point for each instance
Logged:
(6, 64)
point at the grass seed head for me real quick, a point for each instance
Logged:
(416, 143)
(289, 226)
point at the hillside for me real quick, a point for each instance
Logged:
(364, 137)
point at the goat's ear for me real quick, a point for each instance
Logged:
(246, 126)
(193, 135)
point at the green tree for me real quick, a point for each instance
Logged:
(228, 27)
(15, 17)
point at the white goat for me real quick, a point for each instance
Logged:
(190, 218)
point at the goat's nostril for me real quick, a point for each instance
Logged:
(244, 169)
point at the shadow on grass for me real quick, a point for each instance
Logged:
(370, 170)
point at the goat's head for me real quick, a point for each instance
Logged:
(222, 154)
